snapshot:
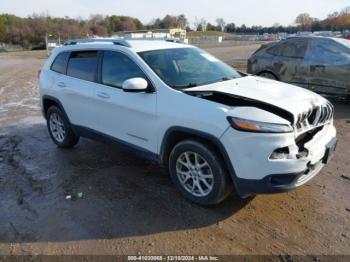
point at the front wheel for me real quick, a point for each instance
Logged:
(199, 173)
(268, 75)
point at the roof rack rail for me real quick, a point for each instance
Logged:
(174, 40)
(114, 41)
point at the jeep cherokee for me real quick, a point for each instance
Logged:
(216, 129)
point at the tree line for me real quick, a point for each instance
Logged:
(337, 21)
(30, 32)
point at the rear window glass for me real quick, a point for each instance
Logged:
(60, 63)
(294, 49)
(83, 65)
(274, 50)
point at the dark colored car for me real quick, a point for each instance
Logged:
(321, 64)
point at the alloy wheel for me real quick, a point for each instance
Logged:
(57, 127)
(195, 174)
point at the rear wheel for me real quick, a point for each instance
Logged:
(60, 129)
(268, 75)
(199, 173)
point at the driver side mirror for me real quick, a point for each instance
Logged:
(137, 84)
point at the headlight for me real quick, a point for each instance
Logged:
(242, 124)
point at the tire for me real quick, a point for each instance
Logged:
(59, 128)
(268, 75)
(188, 179)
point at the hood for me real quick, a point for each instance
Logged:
(274, 94)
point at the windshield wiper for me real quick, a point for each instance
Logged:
(226, 78)
(185, 86)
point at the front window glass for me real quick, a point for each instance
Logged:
(117, 67)
(187, 67)
(328, 52)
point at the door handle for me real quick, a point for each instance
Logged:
(103, 95)
(61, 84)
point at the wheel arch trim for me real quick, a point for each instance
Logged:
(199, 134)
(57, 101)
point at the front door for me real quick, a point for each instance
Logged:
(329, 64)
(130, 117)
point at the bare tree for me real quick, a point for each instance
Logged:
(196, 23)
(345, 11)
(221, 23)
(96, 25)
(2, 29)
(181, 21)
(304, 21)
(203, 23)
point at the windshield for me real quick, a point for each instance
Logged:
(187, 67)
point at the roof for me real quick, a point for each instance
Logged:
(342, 41)
(133, 44)
(313, 37)
(147, 45)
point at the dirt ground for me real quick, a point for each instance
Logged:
(129, 205)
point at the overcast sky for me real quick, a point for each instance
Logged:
(249, 12)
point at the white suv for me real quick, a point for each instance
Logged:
(215, 129)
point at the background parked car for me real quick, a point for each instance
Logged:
(321, 64)
(346, 35)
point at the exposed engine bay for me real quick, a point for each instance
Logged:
(307, 125)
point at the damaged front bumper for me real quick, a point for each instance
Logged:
(253, 170)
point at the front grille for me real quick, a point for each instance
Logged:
(315, 116)
(310, 123)
(307, 137)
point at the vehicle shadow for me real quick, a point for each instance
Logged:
(93, 191)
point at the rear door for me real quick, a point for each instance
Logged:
(57, 73)
(329, 64)
(289, 64)
(130, 117)
(77, 87)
